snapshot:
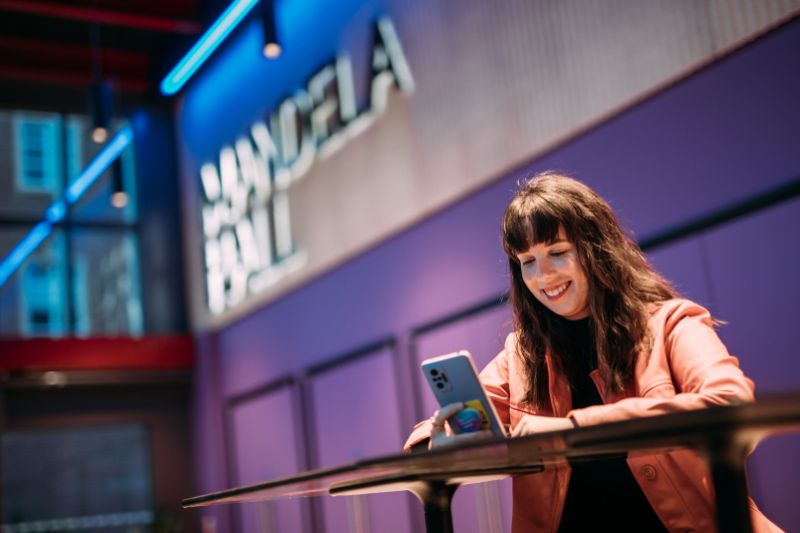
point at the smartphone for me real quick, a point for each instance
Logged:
(454, 378)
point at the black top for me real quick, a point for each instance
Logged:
(603, 494)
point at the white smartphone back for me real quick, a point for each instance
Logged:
(454, 378)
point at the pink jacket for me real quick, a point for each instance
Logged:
(687, 368)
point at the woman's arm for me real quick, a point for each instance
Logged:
(703, 373)
(494, 379)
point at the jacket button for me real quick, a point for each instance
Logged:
(648, 472)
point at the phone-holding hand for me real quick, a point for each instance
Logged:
(530, 424)
(442, 434)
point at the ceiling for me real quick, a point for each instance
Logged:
(53, 51)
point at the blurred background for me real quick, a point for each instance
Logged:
(217, 216)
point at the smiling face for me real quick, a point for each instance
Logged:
(555, 277)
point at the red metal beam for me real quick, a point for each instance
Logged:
(71, 64)
(102, 16)
(71, 79)
(117, 353)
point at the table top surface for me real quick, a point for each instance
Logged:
(705, 430)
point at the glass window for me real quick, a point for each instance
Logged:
(44, 278)
(83, 278)
(96, 204)
(90, 479)
(33, 302)
(74, 146)
(105, 283)
(30, 163)
(37, 156)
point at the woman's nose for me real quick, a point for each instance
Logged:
(543, 268)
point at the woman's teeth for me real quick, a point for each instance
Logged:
(556, 291)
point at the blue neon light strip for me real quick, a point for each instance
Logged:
(99, 164)
(57, 211)
(203, 48)
(22, 250)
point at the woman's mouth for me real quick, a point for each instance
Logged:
(553, 293)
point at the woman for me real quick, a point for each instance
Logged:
(600, 337)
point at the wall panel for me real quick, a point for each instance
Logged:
(263, 433)
(683, 263)
(356, 416)
(754, 267)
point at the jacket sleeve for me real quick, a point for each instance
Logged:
(420, 434)
(494, 379)
(685, 347)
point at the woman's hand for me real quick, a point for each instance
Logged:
(530, 424)
(442, 434)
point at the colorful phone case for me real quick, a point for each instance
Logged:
(454, 378)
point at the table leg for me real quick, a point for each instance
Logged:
(436, 497)
(730, 486)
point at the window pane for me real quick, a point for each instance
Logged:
(74, 146)
(31, 161)
(33, 301)
(37, 155)
(90, 479)
(105, 282)
(96, 203)
(106, 294)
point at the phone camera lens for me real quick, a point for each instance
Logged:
(440, 385)
(434, 372)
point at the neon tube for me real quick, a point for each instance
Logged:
(204, 47)
(21, 251)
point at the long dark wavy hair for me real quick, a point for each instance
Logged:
(622, 284)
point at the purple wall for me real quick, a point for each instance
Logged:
(351, 404)
(263, 438)
(723, 135)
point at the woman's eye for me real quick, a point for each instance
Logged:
(527, 262)
(558, 253)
